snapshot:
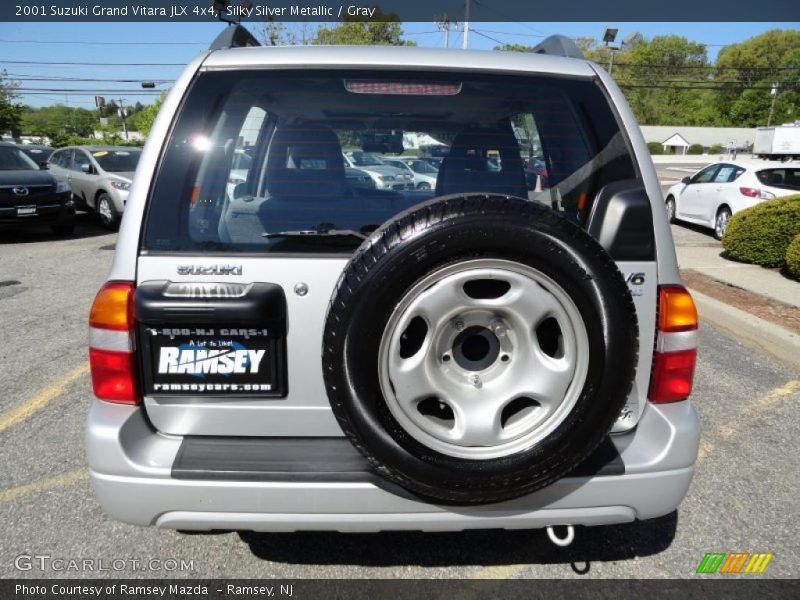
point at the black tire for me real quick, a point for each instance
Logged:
(111, 219)
(64, 226)
(671, 208)
(424, 186)
(441, 232)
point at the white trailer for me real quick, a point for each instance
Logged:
(778, 143)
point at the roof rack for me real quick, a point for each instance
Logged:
(558, 45)
(234, 36)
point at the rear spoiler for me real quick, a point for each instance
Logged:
(558, 45)
(234, 36)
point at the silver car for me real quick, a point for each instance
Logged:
(99, 176)
(309, 354)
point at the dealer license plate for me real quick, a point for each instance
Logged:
(219, 361)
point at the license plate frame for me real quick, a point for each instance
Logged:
(213, 362)
(26, 211)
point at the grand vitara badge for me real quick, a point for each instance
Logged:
(217, 269)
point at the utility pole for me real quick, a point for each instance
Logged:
(122, 112)
(443, 23)
(774, 92)
(465, 43)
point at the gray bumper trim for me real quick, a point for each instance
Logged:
(130, 467)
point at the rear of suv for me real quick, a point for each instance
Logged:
(300, 353)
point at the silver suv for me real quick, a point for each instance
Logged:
(99, 176)
(308, 354)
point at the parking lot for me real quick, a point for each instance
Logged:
(743, 497)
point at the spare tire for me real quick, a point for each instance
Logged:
(477, 348)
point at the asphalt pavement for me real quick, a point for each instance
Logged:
(743, 497)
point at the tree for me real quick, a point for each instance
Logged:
(514, 48)
(657, 76)
(759, 62)
(383, 29)
(142, 121)
(10, 111)
(58, 120)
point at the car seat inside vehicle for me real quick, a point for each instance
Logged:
(467, 167)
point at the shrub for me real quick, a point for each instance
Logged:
(655, 148)
(761, 234)
(716, 149)
(695, 149)
(793, 257)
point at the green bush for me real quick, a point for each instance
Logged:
(655, 148)
(761, 234)
(716, 149)
(793, 257)
(695, 149)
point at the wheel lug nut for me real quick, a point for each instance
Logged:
(459, 325)
(505, 358)
(446, 358)
(498, 328)
(476, 381)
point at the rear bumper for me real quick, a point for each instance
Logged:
(131, 473)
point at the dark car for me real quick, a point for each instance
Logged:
(38, 153)
(29, 195)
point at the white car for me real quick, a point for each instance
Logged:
(385, 176)
(424, 173)
(712, 195)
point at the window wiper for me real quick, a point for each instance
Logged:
(315, 233)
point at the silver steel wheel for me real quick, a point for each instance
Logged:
(483, 359)
(104, 210)
(721, 224)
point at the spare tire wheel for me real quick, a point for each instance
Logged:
(477, 348)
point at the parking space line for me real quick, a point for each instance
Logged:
(40, 400)
(726, 431)
(43, 485)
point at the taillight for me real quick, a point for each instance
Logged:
(676, 346)
(756, 193)
(111, 346)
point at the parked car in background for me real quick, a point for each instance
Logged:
(423, 173)
(434, 161)
(38, 153)
(386, 177)
(358, 179)
(99, 177)
(31, 196)
(535, 172)
(712, 195)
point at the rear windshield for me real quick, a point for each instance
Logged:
(787, 178)
(117, 161)
(255, 157)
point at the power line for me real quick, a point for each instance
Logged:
(103, 43)
(697, 87)
(90, 64)
(22, 77)
(33, 91)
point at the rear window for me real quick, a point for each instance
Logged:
(117, 161)
(263, 152)
(785, 178)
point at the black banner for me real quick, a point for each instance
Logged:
(411, 589)
(405, 10)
